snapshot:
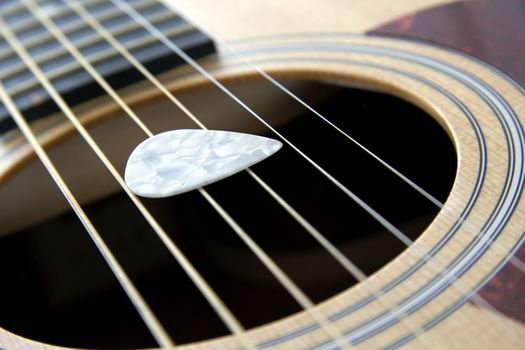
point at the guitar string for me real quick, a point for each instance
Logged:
(88, 18)
(143, 309)
(287, 283)
(336, 253)
(213, 299)
(449, 276)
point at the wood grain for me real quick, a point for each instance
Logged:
(232, 20)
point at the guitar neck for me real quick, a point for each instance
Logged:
(72, 82)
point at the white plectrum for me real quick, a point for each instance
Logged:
(178, 161)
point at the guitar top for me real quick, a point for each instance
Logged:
(392, 217)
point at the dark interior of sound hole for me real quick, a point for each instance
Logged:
(56, 288)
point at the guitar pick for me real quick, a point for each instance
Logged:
(178, 161)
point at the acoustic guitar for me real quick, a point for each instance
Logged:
(392, 217)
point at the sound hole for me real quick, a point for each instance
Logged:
(57, 289)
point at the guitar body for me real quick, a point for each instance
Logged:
(429, 295)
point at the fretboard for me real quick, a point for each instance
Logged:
(67, 75)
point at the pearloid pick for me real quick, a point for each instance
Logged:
(178, 161)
